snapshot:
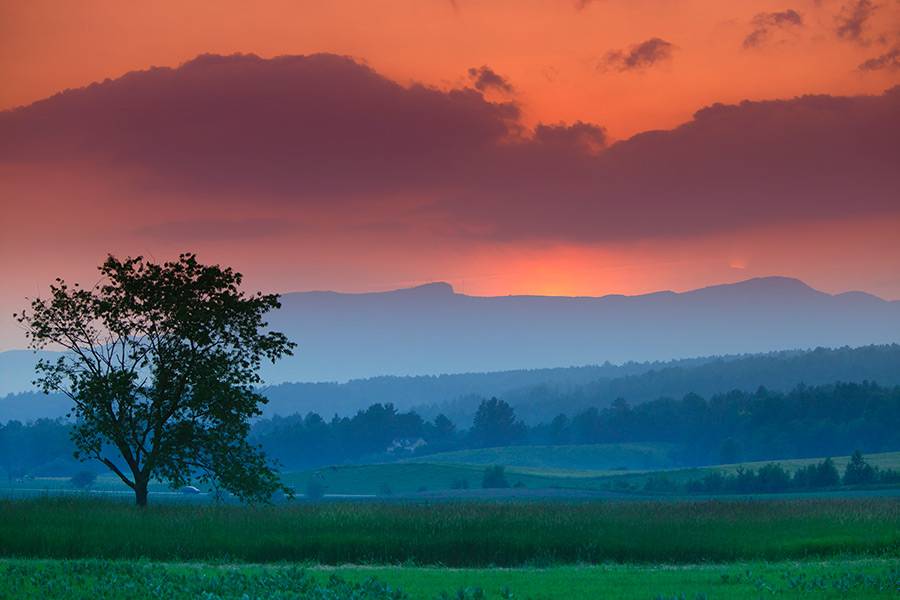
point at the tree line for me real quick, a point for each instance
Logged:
(828, 420)
(773, 478)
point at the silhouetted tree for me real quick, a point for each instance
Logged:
(858, 471)
(495, 424)
(160, 365)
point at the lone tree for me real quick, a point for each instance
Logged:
(160, 362)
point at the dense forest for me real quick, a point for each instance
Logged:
(808, 421)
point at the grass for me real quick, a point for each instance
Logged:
(884, 460)
(588, 457)
(138, 580)
(468, 534)
(437, 472)
(536, 467)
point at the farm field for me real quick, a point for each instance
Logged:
(114, 580)
(455, 534)
(551, 468)
(437, 472)
(582, 457)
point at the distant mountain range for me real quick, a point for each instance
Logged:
(432, 330)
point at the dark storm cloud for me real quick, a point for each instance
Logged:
(324, 139)
(640, 56)
(484, 78)
(764, 23)
(852, 19)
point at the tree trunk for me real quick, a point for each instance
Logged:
(140, 493)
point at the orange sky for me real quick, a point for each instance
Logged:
(549, 49)
(556, 56)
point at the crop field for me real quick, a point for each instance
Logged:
(457, 534)
(138, 580)
(411, 539)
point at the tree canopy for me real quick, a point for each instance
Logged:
(161, 362)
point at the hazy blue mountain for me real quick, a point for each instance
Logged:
(431, 329)
(17, 369)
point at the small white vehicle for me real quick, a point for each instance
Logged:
(189, 489)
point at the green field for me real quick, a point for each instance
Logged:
(585, 457)
(138, 580)
(593, 468)
(440, 471)
(72, 547)
(461, 534)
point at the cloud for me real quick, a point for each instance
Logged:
(764, 23)
(639, 56)
(216, 229)
(484, 78)
(890, 60)
(581, 137)
(328, 142)
(852, 19)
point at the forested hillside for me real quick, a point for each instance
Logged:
(826, 420)
(540, 394)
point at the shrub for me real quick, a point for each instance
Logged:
(494, 477)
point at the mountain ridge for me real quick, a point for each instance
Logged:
(432, 329)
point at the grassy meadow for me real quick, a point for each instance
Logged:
(597, 468)
(139, 580)
(454, 534)
(420, 543)
(562, 468)
(580, 457)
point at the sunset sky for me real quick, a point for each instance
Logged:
(506, 147)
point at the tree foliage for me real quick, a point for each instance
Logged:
(161, 362)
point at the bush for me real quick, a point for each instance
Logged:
(83, 479)
(494, 477)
